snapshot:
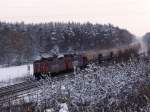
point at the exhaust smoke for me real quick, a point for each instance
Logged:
(144, 49)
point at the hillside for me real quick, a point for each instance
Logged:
(21, 43)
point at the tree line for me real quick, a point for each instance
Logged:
(21, 43)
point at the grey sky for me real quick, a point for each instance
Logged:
(131, 14)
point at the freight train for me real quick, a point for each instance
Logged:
(54, 65)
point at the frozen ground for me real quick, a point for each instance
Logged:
(13, 74)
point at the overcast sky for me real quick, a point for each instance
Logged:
(131, 14)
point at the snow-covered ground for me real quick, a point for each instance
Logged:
(96, 88)
(8, 74)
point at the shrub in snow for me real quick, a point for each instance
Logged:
(101, 88)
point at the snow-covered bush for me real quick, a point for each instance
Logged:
(100, 88)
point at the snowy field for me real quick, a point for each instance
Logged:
(11, 74)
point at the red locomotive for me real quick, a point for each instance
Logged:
(56, 65)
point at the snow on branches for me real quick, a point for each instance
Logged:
(103, 85)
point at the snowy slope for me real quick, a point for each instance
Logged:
(14, 72)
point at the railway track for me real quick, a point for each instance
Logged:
(8, 92)
(12, 91)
